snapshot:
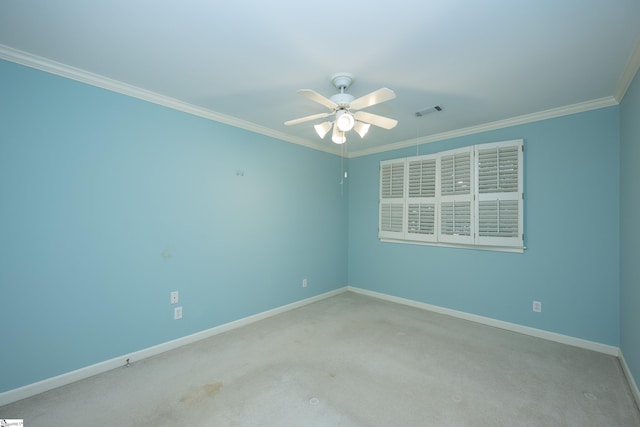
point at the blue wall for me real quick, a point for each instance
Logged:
(108, 203)
(571, 231)
(630, 228)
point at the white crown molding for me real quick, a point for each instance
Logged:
(500, 124)
(97, 80)
(630, 71)
(77, 74)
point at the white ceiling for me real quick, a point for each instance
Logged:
(242, 61)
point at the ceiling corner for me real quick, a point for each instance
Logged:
(630, 71)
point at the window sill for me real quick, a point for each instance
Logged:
(511, 249)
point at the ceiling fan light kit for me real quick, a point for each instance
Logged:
(341, 105)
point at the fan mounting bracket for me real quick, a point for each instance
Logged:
(342, 81)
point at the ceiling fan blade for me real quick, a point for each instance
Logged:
(315, 96)
(375, 97)
(376, 120)
(307, 119)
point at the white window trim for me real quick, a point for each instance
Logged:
(404, 234)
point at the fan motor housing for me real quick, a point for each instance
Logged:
(342, 99)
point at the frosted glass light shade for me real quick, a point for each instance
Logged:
(338, 136)
(345, 120)
(322, 129)
(361, 128)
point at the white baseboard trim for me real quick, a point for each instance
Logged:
(539, 333)
(29, 390)
(632, 383)
(98, 368)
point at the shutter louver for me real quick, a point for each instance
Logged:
(498, 218)
(421, 218)
(498, 170)
(391, 217)
(499, 205)
(421, 199)
(455, 219)
(455, 174)
(392, 182)
(456, 197)
(422, 178)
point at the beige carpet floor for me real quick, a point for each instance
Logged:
(350, 360)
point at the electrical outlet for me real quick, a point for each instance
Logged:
(537, 306)
(174, 297)
(304, 283)
(177, 313)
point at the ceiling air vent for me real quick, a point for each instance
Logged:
(425, 111)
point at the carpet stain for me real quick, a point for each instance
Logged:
(196, 395)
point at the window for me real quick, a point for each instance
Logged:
(468, 197)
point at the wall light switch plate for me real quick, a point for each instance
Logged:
(174, 297)
(177, 313)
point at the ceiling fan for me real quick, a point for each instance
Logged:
(343, 106)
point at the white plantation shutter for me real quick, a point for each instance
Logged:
(471, 197)
(392, 180)
(421, 199)
(456, 172)
(391, 217)
(455, 219)
(499, 217)
(392, 184)
(456, 196)
(498, 167)
(421, 221)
